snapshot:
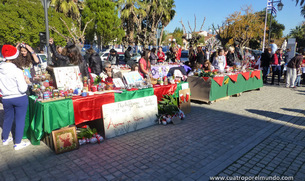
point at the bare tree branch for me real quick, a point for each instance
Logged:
(56, 31)
(195, 23)
(202, 24)
(183, 26)
(190, 26)
(83, 33)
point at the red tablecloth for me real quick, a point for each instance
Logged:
(163, 90)
(90, 108)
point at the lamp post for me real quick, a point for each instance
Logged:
(280, 6)
(46, 4)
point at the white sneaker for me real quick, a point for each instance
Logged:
(21, 145)
(6, 142)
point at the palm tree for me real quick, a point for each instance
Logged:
(131, 12)
(68, 7)
(297, 32)
(167, 16)
(301, 2)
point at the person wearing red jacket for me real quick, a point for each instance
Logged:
(178, 56)
(276, 67)
(161, 55)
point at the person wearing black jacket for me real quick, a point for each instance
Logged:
(113, 57)
(230, 57)
(265, 63)
(201, 58)
(94, 62)
(57, 61)
(127, 54)
(73, 58)
(292, 66)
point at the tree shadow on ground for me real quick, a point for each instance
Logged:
(294, 110)
(279, 118)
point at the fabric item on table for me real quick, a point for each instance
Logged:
(246, 75)
(164, 90)
(219, 80)
(90, 108)
(172, 70)
(256, 73)
(128, 95)
(45, 117)
(158, 70)
(205, 78)
(233, 77)
(187, 68)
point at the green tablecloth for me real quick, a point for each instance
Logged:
(45, 117)
(128, 95)
(242, 84)
(218, 91)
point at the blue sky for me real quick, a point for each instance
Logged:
(216, 11)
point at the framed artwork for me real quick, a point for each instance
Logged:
(133, 77)
(185, 100)
(68, 77)
(65, 139)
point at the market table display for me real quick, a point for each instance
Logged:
(48, 116)
(209, 89)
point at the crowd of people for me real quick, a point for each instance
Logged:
(15, 72)
(275, 61)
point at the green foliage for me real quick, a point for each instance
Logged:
(21, 21)
(276, 27)
(177, 34)
(299, 33)
(207, 74)
(68, 7)
(85, 132)
(201, 40)
(97, 80)
(106, 23)
(168, 105)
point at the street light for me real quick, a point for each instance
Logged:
(46, 4)
(280, 7)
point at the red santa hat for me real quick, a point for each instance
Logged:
(9, 52)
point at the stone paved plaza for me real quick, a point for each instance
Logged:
(259, 133)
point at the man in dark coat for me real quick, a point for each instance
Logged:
(265, 63)
(292, 67)
(127, 54)
(94, 62)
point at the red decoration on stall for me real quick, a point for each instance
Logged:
(164, 90)
(256, 73)
(90, 108)
(233, 77)
(219, 80)
(206, 78)
(246, 75)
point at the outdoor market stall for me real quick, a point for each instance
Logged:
(44, 117)
(209, 89)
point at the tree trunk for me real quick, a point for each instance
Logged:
(161, 35)
(99, 42)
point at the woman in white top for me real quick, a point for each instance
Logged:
(219, 61)
(13, 87)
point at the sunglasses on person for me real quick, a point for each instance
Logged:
(108, 67)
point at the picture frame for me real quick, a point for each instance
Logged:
(65, 139)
